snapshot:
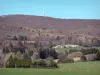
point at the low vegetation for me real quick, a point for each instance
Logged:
(77, 68)
(20, 55)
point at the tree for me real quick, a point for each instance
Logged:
(19, 55)
(21, 37)
(80, 42)
(98, 55)
(36, 44)
(10, 46)
(40, 45)
(53, 53)
(62, 56)
(20, 44)
(50, 44)
(15, 38)
(10, 62)
(35, 56)
(5, 49)
(66, 40)
(69, 39)
(57, 38)
(25, 38)
(27, 54)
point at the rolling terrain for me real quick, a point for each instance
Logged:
(77, 29)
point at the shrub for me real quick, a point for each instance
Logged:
(66, 61)
(12, 63)
(34, 64)
(98, 55)
(39, 64)
(23, 63)
(89, 51)
(72, 50)
(53, 64)
(49, 58)
(44, 64)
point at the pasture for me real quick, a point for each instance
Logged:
(68, 49)
(76, 48)
(77, 68)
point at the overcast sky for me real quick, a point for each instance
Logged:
(69, 9)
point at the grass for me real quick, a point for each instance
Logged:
(76, 48)
(67, 49)
(78, 68)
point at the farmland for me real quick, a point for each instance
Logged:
(58, 49)
(77, 68)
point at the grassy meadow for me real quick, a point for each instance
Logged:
(77, 48)
(77, 68)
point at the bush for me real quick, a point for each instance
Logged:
(49, 58)
(73, 50)
(23, 63)
(35, 64)
(12, 63)
(89, 51)
(39, 64)
(44, 64)
(53, 64)
(66, 61)
(98, 55)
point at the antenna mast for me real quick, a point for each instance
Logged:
(43, 12)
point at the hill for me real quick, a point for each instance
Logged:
(76, 28)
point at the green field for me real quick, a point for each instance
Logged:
(76, 48)
(67, 49)
(78, 68)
